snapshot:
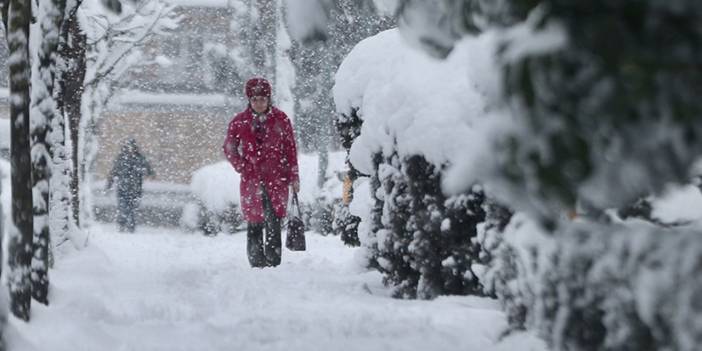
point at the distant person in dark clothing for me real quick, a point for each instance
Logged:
(128, 172)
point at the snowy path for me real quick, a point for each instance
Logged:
(158, 290)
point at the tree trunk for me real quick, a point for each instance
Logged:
(20, 241)
(265, 36)
(42, 114)
(61, 173)
(322, 170)
(71, 85)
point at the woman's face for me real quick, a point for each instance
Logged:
(259, 103)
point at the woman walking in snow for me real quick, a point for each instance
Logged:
(260, 145)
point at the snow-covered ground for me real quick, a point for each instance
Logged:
(166, 290)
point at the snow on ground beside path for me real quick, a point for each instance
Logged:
(161, 290)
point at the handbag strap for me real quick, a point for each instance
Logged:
(296, 203)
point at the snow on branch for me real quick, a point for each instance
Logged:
(114, 40)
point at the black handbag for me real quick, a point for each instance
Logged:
(295, 240)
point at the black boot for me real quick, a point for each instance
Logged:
(273, 242)
(254, 244)
(273, 247)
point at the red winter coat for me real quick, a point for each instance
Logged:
(267, 157)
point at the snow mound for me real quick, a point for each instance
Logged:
(217, 185)
(423, 105)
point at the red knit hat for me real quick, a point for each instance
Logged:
(258, 87)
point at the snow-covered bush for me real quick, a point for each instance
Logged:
(590, 122)
(620, 118)
(423, 241)
(346, 225)
(490, 238)
(604, 286)
(588, 108)
(406, 117)
(216, 187)
(623, 285)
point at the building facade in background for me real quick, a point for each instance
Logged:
(175, 107)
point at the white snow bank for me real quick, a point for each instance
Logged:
(679, 204)
(427, 106)
(217, 185)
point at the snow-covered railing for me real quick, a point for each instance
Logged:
(203, 3)
(134, 97)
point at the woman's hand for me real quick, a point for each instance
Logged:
(295, 187)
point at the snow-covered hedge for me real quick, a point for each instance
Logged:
(601, 286)
(623, 285)
(582, 130)
(216, 186)
(584, 284)
(408, 101)
(417, 116)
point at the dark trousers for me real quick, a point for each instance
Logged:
(264, 253)
(126, 208)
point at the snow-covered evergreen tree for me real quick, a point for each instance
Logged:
(459, 252)
(20, 229)
(396, 228)
(346, 225)
(580, 103)
(422, 240)
(629, 136)
(42, 114)
(499, 266)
